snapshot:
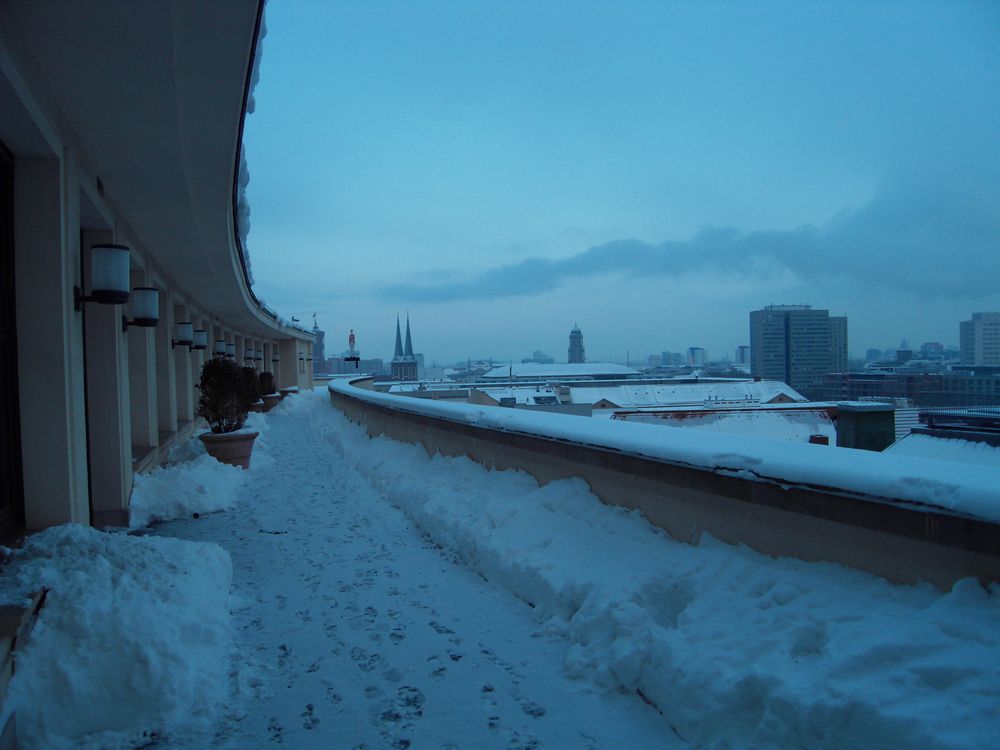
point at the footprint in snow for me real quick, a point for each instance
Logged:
(531, 708)
(308, 716)
(365, 661)
(275, 730)
(438, 670)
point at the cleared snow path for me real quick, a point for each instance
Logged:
(361, 633)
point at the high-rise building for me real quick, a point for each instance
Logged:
(742, 354)
(576, 352)
(404, 362)
(980, 339)
(319, 355)
(798, 345)
(696, 356)
(838, 344)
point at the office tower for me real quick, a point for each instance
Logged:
(798, 345)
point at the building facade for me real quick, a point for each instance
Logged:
(979, 339)
(318, 348)
(576, 351)
(797, 344)
(969, 387)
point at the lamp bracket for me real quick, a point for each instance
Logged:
(79, 298)
(139, 323)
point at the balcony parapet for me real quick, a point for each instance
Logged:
(904, 519)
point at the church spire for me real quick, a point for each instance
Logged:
(408, 352)
(399, 340)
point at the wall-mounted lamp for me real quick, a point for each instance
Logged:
(108, 277)
(248, 358)
(146, 306)
(219, 348)
(302, 357)
(200, 340)
(258, 355)
(185, 335)
(231, 351)
(274, 358)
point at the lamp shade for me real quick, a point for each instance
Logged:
(146, 306)
(219, 348)
(185, 333)
(200, 339)
(302, 357)
(274, 358)
(258, 355)
(231, 351)
(109, 274)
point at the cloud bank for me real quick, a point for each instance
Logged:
(926, 237)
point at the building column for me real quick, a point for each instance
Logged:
(50, 343)
(109, 426)
(142, 382)
(184, 386)
(166, 377)
(289, 364)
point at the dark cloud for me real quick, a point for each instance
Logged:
(925, 237)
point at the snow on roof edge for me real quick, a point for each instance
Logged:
(941, 486)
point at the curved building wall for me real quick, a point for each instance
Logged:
(136, 146)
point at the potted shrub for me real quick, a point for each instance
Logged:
(268, 390)
(251, 389)
(223, 404)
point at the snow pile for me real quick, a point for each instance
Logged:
(193, 482)
(134, 639)
(203, 485)
(735, 648)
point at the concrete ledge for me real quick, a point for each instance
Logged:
(898, 541)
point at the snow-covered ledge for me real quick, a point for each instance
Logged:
(905, 519)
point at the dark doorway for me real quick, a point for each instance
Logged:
(11, 487)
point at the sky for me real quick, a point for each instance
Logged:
(501, 171)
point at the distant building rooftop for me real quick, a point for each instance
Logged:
(689, 393)
(582, 370)
(947, 449)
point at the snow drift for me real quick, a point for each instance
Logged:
(134, 642)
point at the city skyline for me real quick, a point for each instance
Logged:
(637, 356)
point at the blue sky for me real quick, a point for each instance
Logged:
(653, 171)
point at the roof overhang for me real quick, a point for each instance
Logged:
(155, 94)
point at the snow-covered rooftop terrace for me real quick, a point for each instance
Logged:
(355, 592)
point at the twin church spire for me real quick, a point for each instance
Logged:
(404, 364)
(400, 350)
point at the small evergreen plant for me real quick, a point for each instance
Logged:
(223, 401)
(249, 385)
(267, 385)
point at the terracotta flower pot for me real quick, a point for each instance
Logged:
(271, 400)
(232, 448)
